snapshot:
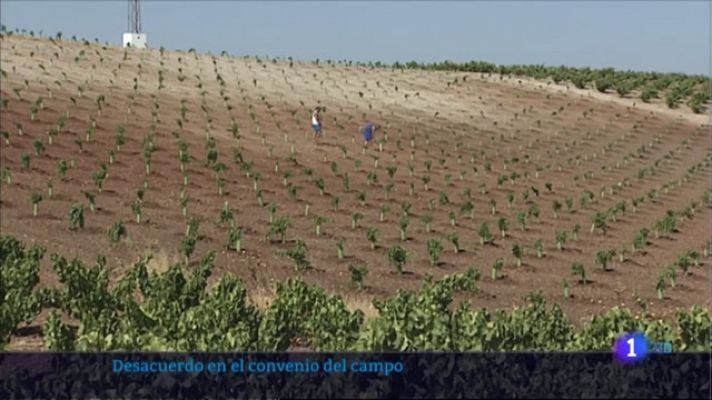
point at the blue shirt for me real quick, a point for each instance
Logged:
(368, 131)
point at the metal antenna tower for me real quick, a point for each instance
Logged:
(134, 38)
(134, 16)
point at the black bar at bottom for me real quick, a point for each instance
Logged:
(351, 375)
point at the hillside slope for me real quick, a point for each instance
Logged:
(482, 141)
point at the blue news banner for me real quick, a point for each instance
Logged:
(352, 375)
(219, 365)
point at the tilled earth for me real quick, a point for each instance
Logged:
(461, 130)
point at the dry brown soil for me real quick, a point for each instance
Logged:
(557, 134)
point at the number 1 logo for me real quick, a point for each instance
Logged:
(631, 347)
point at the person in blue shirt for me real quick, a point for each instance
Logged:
(367, 131)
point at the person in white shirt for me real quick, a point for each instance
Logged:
(316, 122)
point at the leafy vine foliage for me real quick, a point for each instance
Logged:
(176, 310)
(19, 274)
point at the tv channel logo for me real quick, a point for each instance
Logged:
(631, 347)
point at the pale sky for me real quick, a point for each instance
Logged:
(664, 36)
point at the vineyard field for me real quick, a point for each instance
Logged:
(490, 201)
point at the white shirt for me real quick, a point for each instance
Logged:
(314, 120)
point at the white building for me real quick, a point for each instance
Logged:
(135, 40)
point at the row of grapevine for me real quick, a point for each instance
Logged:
(175, 310)
(673, 88)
